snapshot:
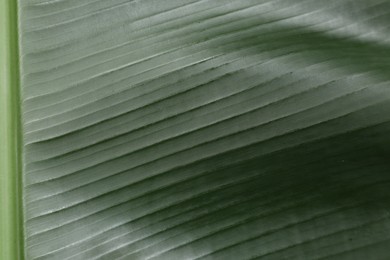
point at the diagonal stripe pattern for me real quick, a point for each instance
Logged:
(204, 129)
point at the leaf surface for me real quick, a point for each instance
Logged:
(201, 129)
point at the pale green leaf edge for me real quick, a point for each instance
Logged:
(11, 223)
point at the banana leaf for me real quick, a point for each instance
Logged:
(201, 129)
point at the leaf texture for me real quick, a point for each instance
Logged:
(204, 129)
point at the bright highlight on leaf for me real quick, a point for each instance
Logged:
(205, 129)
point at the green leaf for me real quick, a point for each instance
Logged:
(204, 129)
(11, 233)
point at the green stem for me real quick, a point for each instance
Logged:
(11, 231)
